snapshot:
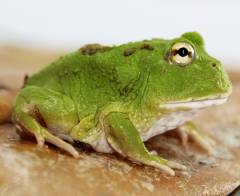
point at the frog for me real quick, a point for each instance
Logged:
(115, 98)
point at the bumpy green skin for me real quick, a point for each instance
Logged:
(113, 90)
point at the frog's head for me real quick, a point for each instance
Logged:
(186, 74)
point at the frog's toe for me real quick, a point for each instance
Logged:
(176, 165)
(46, 136)
(40, 140)
(62, 144)
(168, 166)
(208, 145)
(166, 169)
(171, 164)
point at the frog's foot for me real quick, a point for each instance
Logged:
(200, 137)
(125, 139)
(57, 142)
(165, 165)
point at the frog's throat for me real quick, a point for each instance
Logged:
(195, 104)
(182, 112)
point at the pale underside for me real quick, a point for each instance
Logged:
(165, 123)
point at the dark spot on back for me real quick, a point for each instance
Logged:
(3, 87)
(91, 49)
(129, 51)
(25, 80)
(146, 46)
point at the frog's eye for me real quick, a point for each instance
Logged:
(181, 53)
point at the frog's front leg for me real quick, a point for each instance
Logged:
(189, 129)
(125, 139)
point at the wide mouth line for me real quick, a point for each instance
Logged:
(197, 104)
(200, 100)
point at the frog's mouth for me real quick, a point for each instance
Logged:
(195, 104)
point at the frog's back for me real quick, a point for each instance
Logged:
(92, 64)
(79, 63)
(79, 76)
(52, 75)
(96, 75)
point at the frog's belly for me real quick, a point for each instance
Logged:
(168, 122)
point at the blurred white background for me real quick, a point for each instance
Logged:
(68, 24)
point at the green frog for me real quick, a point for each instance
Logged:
(115, 98)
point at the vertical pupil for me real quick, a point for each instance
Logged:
(183, 52)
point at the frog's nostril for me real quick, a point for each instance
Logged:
(214, 64)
